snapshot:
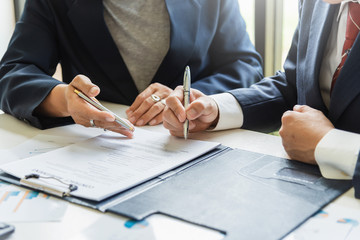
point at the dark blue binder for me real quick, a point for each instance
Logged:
(247, 195)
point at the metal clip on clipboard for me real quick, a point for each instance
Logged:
(32, 181)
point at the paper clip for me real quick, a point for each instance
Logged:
(47, 187)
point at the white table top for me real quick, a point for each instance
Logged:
(77, 218)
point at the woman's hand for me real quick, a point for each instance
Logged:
(202, 112)
(64, 102)
(149, 105)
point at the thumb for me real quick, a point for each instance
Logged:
(302, 108)
(204, 108)
(84, 84)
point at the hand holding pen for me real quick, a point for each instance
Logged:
(186, 89)
(95, 103)
(189, 110)
(63, 101)
(112, 121)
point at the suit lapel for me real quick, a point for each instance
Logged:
(320, 27)
(88, 19)
(347, 85)
(184, 18)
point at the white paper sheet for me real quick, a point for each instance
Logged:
(39, 144)
(111, 163)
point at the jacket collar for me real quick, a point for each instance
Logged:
(88, 19)
(320, 26)
(347, 86)
(185, 21)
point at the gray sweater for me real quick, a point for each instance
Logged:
(141, 31)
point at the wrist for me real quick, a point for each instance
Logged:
(55, 104)
(215, 122)
(60, 95)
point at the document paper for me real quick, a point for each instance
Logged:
(110, 163)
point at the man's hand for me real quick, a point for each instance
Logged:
(202, 112)
(301, 131)
(144, 109)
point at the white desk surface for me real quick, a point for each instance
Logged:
(78, 218)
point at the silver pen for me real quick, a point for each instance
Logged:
(186, 87)
(99, 106)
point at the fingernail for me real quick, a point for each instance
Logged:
(179, 116)
(110, 119)
(93, 90)
(132, 120)
(129, 112)
(152, 122)
(192, 113)
(140, 122)
(296, 107)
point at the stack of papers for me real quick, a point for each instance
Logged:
(108, 164)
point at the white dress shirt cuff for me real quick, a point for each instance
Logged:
(230, 112)
(337, 153)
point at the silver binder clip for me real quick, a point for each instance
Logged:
(35, 181)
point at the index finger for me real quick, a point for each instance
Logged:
(174, 103)
(140, 98)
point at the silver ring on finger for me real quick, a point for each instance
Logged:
(155, 98)
(92, 123)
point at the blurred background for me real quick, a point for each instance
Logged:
(270, 24)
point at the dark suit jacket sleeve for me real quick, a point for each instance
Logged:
(28, 65)
(356, 178)
(264, 102)
(233, 58)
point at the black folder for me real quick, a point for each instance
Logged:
(244, 194)
(247, 195)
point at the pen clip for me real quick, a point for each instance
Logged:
(187, 79)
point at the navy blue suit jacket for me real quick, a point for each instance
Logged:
(264, 103)
(207, 35)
